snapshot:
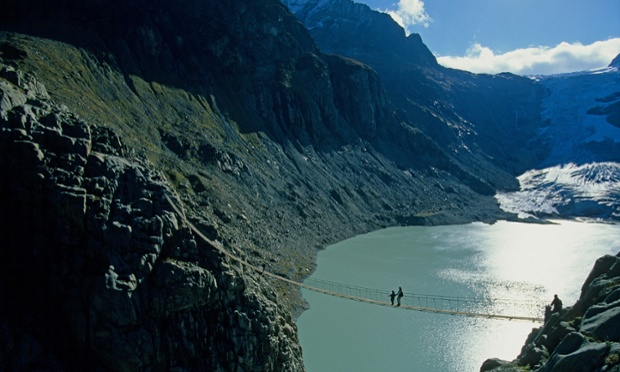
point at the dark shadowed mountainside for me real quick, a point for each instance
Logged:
(485, 122)
(272, 148)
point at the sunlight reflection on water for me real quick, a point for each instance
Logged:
(521, 264)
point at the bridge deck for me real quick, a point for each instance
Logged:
(379, 294)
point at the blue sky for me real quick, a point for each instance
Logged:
(521, 36)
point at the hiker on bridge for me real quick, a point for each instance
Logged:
(556, 303)
(399, 295)
(392, 295)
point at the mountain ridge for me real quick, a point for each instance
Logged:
(516, 123)
(459, 110)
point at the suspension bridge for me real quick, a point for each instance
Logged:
(452, 305)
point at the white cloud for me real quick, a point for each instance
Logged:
(409, 13)
(564, 57)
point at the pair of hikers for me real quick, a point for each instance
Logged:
(398, 296)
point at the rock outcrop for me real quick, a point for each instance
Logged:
(584, 337)
(98, 269)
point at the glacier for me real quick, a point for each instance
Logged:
(580, 175)
(569, 190)
(571, 132)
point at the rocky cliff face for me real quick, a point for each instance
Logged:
(98, 269)
(227, 107)
(583, 337)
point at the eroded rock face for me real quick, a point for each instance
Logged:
(584, 337)
(98, 271)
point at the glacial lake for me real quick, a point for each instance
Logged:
(524, 264)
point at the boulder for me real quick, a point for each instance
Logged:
(601, 266)
(533, 355)
(492, 364)
(603, 325)
(589, 357)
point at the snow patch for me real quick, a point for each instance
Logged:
(570, 190)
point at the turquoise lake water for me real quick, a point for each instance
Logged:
(521, 264)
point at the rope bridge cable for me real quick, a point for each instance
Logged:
(456, 305)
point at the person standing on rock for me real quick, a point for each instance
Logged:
(399, 295)
(556, 303)
(392, 295)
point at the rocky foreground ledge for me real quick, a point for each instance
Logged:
(584, 337)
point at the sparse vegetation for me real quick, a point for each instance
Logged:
(612, 360)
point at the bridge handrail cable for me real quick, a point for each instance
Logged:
(351, 288)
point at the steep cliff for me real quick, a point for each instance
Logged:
(483, 122)
(583, 337)
(272, 148)
(99, 270)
